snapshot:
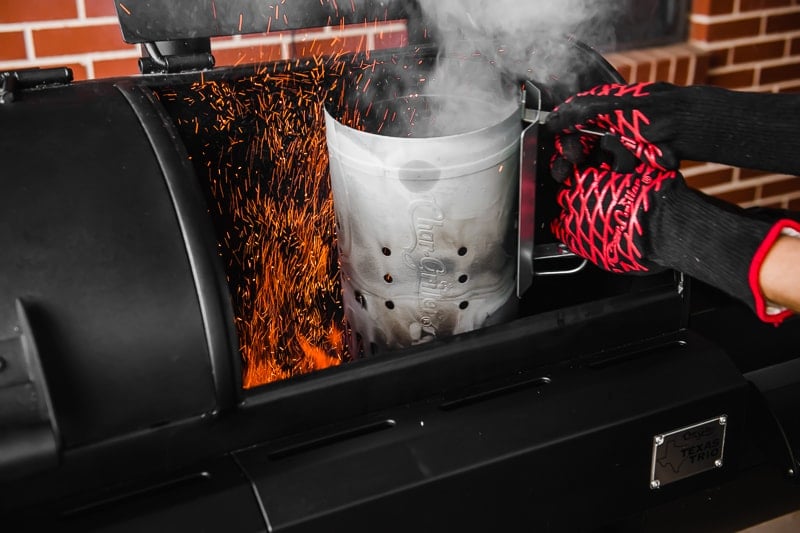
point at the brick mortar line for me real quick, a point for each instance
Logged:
(785, 84)
(676, 51)
(705, 168)
(708, 167)
(733, 17)
(787, 196)
(673, 67)
(354, 29)
(287, 38)
(80, 6)
(255, 41)
(783, 199)
(770, 86)
(751, 183)
(73, 58)
(755, 65)
(706, 46)
(58, 24)
(30, 49)
(692, 77)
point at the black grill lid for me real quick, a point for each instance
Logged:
(165, 20)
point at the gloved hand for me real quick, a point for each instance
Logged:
(648, 219)
(661, 124)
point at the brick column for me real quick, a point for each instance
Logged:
(751, 45)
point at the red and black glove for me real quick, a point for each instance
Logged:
(648, 219)
(662, 124)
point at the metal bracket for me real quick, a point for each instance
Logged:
(29, 435)
(527, 251)
(176, 56)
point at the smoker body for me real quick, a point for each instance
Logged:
(88, 222)
(115, 304)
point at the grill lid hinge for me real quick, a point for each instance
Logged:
(14, 81)
(29, 436)
(176, 56)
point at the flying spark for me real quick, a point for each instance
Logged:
(259, 149)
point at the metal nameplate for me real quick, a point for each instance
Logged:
(687, 451)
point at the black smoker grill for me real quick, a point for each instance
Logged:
(612, 402)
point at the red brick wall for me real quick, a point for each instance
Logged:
(85, 35)
(751, 45)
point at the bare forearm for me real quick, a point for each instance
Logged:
(779, 277)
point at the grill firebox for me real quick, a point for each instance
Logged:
(257, 143)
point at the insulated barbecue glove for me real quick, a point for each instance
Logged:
(649, 219)
(661, 124)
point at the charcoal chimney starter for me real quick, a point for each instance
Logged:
(424, 187)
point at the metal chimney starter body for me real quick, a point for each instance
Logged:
(425, 217)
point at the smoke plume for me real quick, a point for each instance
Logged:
(520, 23)
(530, 38)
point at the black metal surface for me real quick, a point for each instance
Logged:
(509, 454)
(197, 233)
(30, 441)
(161, 64)
(779, 385)
(626, 24)
(96, 255)
(507, 462)
(162, 20)
(331, 399)
(14, 81)
(134, 378)
(218, 497)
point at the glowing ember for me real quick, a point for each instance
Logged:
(256, 138)
(260, 142)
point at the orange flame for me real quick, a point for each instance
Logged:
(259, 144)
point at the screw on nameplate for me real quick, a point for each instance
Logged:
(687, 451)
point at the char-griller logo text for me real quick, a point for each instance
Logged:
(426, 219)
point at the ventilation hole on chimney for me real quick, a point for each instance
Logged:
(463, 305)
(360, 299)
(360, 344)
(463, 278)
(462, 251)
(386, 251)
(389, 304)
(388, 278)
